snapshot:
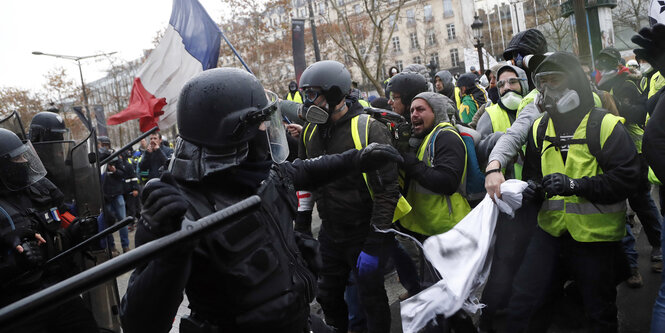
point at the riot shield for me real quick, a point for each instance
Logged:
(57, 159)
(86, 180)
(13, 123)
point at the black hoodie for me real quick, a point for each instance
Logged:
(618, 156)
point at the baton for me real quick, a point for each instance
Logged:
(97, 236)
(125, 147)
(77, 284)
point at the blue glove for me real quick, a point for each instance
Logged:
(367, 263)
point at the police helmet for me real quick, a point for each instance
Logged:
(19, 164)
(47, 126)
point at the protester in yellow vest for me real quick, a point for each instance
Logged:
(436, 170)
(582, 165)
(294, 94)
(513, 86)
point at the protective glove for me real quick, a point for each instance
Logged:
(309, 248)
(163, 205)
(410, 160)
(376, 155)
(15, 237)
(560, 184)
(31, 256)
(403, 134)
(82, 229)
(652, 41)
(367, 263)
(532, 192)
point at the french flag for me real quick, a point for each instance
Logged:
(189, 46)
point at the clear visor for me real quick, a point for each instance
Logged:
(21, 168)
(551, 80)
(275, 130)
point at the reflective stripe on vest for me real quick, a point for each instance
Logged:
(434, 213)
(584, 220)
(360, 135)
(294, 97)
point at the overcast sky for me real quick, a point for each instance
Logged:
(78, 28)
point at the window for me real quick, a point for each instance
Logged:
(340, 2)
(302, 12)
(322, 9)
(391, 22)
(411, 16)
(396, 47)
(454, 57)
(451, 30)
(357, 9)
(434, 57)
(414, 40)
(431, 37)
(428, 13)
(400, 65)
(448, 8)
(417, 60)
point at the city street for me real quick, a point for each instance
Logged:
(635, 305)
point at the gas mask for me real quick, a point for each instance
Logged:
(313, 114)
(511, 99)
(554, 96)
(560, 101)
(645, 67)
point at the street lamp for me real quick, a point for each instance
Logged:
(477, 27)
(78, 62)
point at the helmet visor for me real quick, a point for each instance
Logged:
(275, 130)
(21, 167)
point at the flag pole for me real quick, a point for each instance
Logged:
(235, 52)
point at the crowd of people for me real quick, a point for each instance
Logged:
(384, 176)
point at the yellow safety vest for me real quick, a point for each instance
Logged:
(295, 97)
(657, 82)
(434, 213)
(585, 221)
(360, 136)
(364, 103)
(501, 123)
(458, 98)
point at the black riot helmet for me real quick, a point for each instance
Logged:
(221, 107)
(47, 126)
(19, 164)
(408, 85)
(331, 77)
(219, 115)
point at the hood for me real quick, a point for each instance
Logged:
(520, 74)
(441, 105)
(577, 80)
(417, 68)
(291, 84)
(527, 42)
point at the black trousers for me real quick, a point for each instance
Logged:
(339, 260)
(512, 237)
(548, 262)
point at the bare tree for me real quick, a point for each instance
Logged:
(631, 13)
(555, 28)
(26, 102)
(363, 34)
(59, 86)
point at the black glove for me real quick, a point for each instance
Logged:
(82, 229)
(376, 155)
(309, 248)
(532, 192)
(652, 41)
(31, 256)
(560, 184)
(403, 134)
(410, 161)
(15, 237)
(163, 205)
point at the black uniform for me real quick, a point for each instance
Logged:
(30, 209)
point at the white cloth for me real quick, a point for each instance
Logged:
(461, 257)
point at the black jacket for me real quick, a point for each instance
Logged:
(345, 206)
(113, 183)
(250, 275)
(653, 145)
(152, 162)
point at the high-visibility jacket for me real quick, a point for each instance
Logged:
(458, 97)
(360, 136)
(294, 97)
(500, 123)
(434, 213)
(657, 82)
(586, 221)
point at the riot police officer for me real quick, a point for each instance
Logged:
(249, 275)
(47, 126)
(31, 233)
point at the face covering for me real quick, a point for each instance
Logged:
(560, 101)
(316, 115)
(645, 67)
(19, 172)
(511, 99)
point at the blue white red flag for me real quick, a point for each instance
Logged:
(189, 46)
